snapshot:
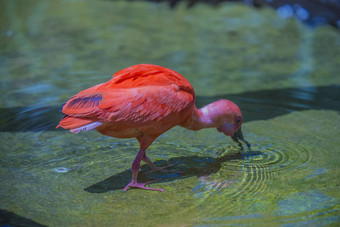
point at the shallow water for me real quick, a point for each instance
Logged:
(283, 75)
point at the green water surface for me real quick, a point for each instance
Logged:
(284, 76)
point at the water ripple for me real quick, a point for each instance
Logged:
(248, 176)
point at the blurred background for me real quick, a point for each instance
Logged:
(278, 60)
(315, 12)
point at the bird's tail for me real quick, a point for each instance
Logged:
(76, 124)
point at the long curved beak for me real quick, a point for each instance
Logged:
(239, 136)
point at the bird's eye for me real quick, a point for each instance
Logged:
(238, 120)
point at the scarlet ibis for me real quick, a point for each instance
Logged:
(144, 101)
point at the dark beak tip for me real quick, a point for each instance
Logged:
(239, 136)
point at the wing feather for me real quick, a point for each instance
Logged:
(144, 104)
(84, 103)
(138, 94)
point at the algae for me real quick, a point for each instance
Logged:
(51, 50)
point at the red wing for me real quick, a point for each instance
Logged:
(136, 94)
(132, 105)
(144, 104)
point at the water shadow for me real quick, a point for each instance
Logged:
(268, 104)
(29, 118)
(257, 105)
(187, 166)
(8, 218)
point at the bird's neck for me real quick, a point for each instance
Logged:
(201, 118)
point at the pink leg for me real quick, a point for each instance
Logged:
(135, 170)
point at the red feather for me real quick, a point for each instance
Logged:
(140, 94)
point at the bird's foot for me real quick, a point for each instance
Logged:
(133, 184)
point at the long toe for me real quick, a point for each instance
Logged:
(141, 186)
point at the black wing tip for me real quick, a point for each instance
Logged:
(85, 102)
(61, 108)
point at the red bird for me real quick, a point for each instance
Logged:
(144, 101)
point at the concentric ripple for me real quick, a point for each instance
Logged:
(241, 185)
(247, 176)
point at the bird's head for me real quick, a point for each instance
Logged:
(227, 118)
